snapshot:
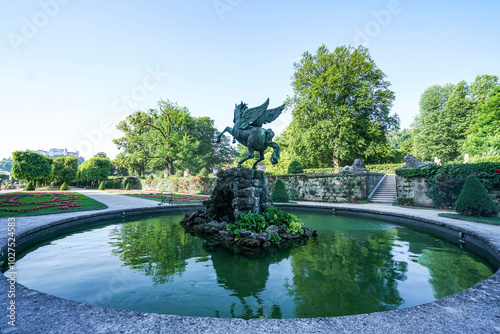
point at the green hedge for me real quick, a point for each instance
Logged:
(322, 170)
(474, 200)
(279, 193)
(494, 158)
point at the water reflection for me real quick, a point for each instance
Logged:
(354, 266)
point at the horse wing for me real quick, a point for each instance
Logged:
(269, 116)
(252, 114)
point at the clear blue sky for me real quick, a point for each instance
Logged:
(71, 69)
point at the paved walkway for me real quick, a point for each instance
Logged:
(475, 310)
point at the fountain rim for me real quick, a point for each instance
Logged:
(425, 317)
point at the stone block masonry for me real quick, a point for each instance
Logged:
(334, 188)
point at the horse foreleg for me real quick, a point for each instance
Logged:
(227, 129)
(261, 157)
(249, 156)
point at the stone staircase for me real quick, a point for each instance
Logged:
(386, 192)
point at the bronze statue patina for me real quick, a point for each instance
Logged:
(248, 131)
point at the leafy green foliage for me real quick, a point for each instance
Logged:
(29, 187)
(29, 166)
(483, 137)
(94, 170)
(256, 223)
(128, 187)
(447, 116)
(4, 177)
(295, 167)
(64, 169)
(102, 186)
(64, 186)
(492, 158)
(341, 107)
(279, 193)
(444, 183)
(169, 137)
(474, 200)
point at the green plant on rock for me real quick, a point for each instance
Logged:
(474, 200)
(256, 223)
(102, 186)
(29, 187)
(279, 193)
(64, 186)
(295, 167)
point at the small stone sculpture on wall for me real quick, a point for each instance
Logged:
(357, 166)
(412, 162)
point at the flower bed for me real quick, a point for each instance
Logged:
(40, 202)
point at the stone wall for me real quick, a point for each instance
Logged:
(415, 188)
(338, 187)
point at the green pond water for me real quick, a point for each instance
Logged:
(356, 265)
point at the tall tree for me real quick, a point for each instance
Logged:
(483, 136)
(64, 169)
(94, 170)
(168, 137)
(341, 107)
(426, 138)
(446, 114)
(30, 166)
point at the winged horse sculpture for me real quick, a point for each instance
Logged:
(248, 131)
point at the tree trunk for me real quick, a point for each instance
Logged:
(335, 161)
(170, 163)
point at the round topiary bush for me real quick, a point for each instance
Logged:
(295, 167)
(102, 186)
(29, 187)
(279, 193)
(474, 200)
(128, 187)
(64, 186)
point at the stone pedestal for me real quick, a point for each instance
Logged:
(240, 191)
(243, 188)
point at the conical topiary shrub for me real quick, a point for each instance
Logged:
(128, 187)
(474, 200)
(279, 193)
(102, 186)
(29, 187)
(295, 168)
(64, 186)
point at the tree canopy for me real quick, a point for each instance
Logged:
(169, 137)
(94, 170)
(64, 169)
(341, 108)
(447, 114)
(483, 136)
(29, 166)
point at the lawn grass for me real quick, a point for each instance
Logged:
(32, 203)
(176, 198)
(487, 220)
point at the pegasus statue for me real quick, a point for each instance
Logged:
(248, 131)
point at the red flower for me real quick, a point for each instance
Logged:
(497, 171)
(426, 181)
